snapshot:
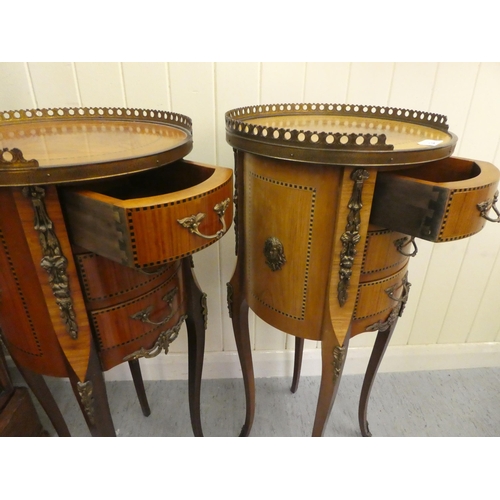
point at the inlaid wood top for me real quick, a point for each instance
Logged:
(68, 145)
(340, 134)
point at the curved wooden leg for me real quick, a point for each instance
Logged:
(238, 310)
(196, 325)
(333, 359)
(92, 398)
(135, 370)
(42, 393)
(297, 363)
(381, 343)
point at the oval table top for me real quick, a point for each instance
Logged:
(340, 134)
(54, 146)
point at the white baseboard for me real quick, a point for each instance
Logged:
(280, 363)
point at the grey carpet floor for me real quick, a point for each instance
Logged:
(451, 403)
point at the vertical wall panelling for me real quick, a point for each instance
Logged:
(146, 85)
(436, 290)
(327, 82)
(370, 83)
(100, 84)
(452, 95)
(54, 84)
(282, 82)
(417, 77)
(193, 94)
(237, 85)
(15, 87)
(480, 141)
(482, 132)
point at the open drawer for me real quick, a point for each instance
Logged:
(148, 219)
(438, 201)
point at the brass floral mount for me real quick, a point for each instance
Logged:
(53, 260)
(14, 158)
(85, 390)
(162, 343)
(351, 237)
(193, 221)
(339, 356)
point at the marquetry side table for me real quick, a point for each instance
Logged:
(329, 199)
(100, 216)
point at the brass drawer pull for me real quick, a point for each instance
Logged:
(402, 242)
(193, 221)
(405, 285)
(163, 343)
(144, 314)
(485, 206)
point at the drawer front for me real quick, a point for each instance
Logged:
(385, 253)
(153, 218)
(438, 201)
(126, 328)
(376, 300)
(106, 283)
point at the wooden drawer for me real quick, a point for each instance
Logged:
(385, 253)
(436, 201)
(376, 300)
(148, 219)
(106, 283)
(128, 327)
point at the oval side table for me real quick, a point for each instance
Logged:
(329, 199)
(100, 216)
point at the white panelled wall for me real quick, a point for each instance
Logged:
(452, 319)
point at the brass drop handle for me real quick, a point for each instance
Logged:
(193, 221)
(485, 206)
(405, 285)
(402, 242)
(143, 314)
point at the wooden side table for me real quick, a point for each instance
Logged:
(97, 233)
(329, 199)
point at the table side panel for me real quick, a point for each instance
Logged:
(295, 204)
